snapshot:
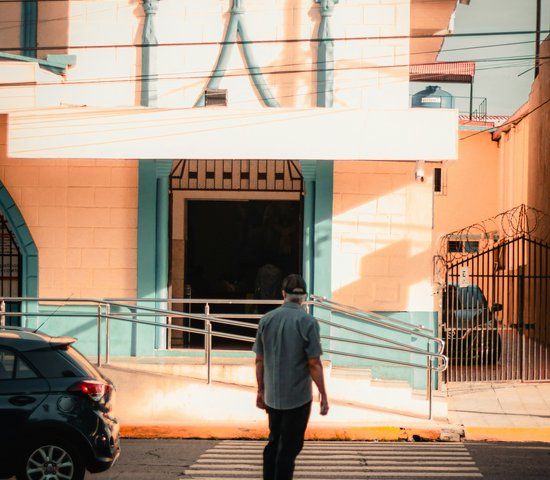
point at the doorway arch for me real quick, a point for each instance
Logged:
(28, 269)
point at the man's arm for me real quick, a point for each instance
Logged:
(316, 372)
(260, 381)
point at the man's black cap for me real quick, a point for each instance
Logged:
(295, 284)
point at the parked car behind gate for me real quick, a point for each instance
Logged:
(56, 409)
(470, 329)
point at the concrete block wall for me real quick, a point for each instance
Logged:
(382, 229)
(11, 20)
(82, 216)
(471, 185)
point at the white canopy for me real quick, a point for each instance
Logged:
(225, 133)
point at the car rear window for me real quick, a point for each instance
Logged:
(53, 364)
(13, 367)
(82, 362)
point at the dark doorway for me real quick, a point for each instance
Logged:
(240, 250)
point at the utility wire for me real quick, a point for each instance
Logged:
(512, 122)
(274, 41)
(282, 69)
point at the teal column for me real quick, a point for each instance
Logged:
(149, 74)
(153, 206)
(153, 247)
(147, 254)
(318, 176)
(163, 169)
(309, 173)
(325, 55)
(29, 25)
(318, 193)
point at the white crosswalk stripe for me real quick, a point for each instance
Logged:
(353, 460)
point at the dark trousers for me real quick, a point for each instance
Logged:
(286, 439)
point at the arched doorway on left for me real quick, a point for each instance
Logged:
(10, 273)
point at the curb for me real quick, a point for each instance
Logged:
(375, 433)
(507, 434)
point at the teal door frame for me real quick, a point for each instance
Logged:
(318, 192)
(28, 251)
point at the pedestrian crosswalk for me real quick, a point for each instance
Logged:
(338, 460)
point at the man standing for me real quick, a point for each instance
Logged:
(288, 357)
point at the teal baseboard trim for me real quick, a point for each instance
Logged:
(81, 322)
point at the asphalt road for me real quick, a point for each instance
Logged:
(155, 459)
(213, 459)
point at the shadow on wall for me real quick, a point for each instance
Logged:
(382, 236)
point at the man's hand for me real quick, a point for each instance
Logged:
(260, 400)
(260, 403)
(316, 372)
(324, 405)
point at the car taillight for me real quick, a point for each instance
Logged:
(96, 390)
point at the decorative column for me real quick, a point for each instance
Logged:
(325, 55)
(318, 175)
(149, 55)
(235, 29)
(153, 204)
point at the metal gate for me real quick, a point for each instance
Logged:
(10, 274)
(494, 299)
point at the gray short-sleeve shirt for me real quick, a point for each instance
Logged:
(287, 337)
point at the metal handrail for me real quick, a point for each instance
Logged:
(377, 319)
(136, 313)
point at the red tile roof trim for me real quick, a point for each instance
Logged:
(452, 72)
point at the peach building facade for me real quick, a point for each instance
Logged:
(94, 121)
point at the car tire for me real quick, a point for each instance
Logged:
(486, 351)
(496, 348)
(51, 458)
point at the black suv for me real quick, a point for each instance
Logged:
(470, 326)
(55, 409)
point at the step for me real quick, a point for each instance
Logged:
(347, 386)
(358, 388)
(151, 405)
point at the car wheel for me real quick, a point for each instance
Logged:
(485, 349)
(495, 349)
(51, 459)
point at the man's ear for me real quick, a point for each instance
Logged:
(284, 294)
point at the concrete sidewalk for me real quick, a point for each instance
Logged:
(501, 411)
(164, 406)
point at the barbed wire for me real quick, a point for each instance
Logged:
(467, 242)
